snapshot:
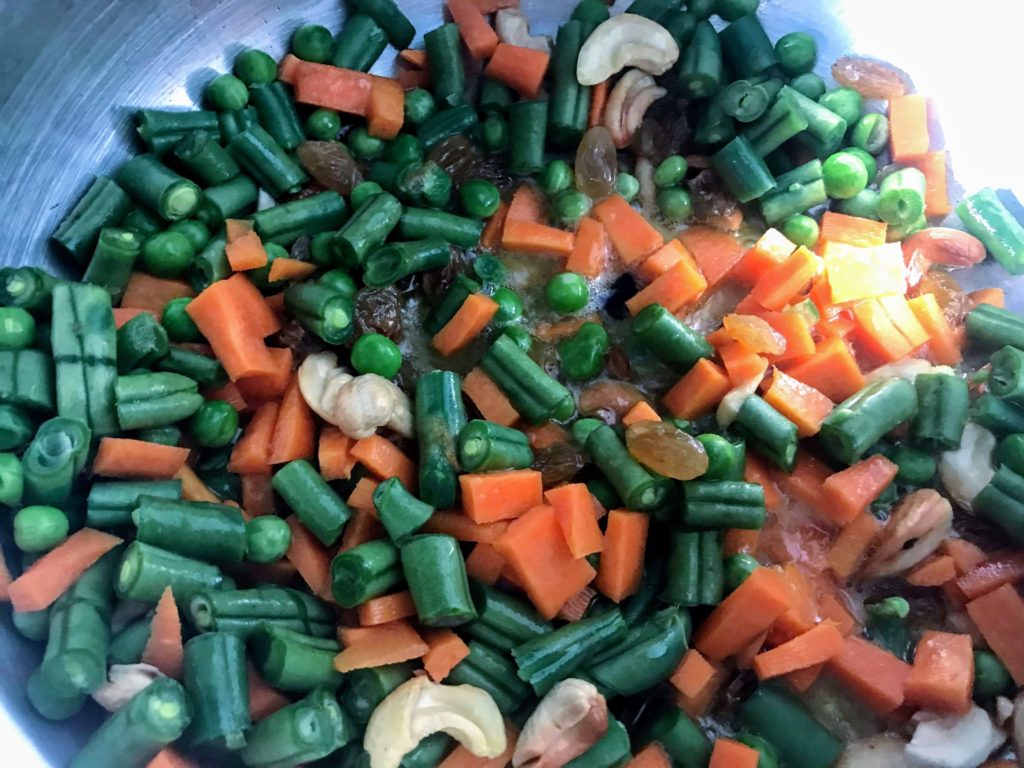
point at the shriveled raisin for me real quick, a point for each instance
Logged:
(558, 463)
(330, 164)
(379, 310)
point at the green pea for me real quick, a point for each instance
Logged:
(312, 42)
(556, 176)
(323, 125)
(917, 467)
(725, 458)
(520, 336)
(570, 206)
(179, 325)
(864, 204)
(738, 567)
(809, 84)
(510, 307)
(254, 66)
(797, 53)
(567, 293)
(40, 528)
(991, 678)
(167, 254)
(17, 328)
(215, 423)
(490, 270)
(419, 105)
(12, 480)
(675, 204)
(769, 758)
(494, 134)
(227, 93)
(670, 172)
(360, 195)
(375, 353)
(363, 146)
(480, 198)
(870, 164)
(627, 185)
(802, 230)
(405, 149)
(195, 231)
(845, 175)
(583, 355)
(267, 538)
(845, 102)
(889, 608)
(871, 133)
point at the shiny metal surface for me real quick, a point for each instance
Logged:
(72, 72)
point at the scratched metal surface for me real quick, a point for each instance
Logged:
(72, 72)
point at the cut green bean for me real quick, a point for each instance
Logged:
(640, 490)
(420, 224)
(1002, 502)
(444, 59)
(260, 156)
(230, 200)
(768, 432)
(533, 393)
(145, 572)
(401, 513)
(300, 733)
(387, 14)
(440, 417)
(112, 261)
(528, 122)
(53, 461)
(724, 504)
(436, 574)
(863, 419)
(504, 621)
(314, 502)
(140, 343)
(359, 44)
(215, 677)
(701, 66)
(205, 531)
(151, 183)
(493, 672)
(244, 611)
(291, 661)
(286, 223)
(487, 447)
(387, 265)
(461, 120)
(364, 572)
(206, 160)
(323, 310)
(943, 401)
(681, 738)
(985, 217)
(570, 101)
(204, 370)
(111, 502)
(786, 723)
(103, 205)
(155, 399)
(648, 654)
(367, 230)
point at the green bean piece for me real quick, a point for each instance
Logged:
(648, 654)
(746, 48)
(258, 154)
(683, 574)
(201, 530)
(386, 13)
(916, 467)
(314, 502)
(592, 12)
(205, 371)
(154, 185)
(519, 336)
(488, 447)
(16, 428)
(230, 200)
(17, 328)
(111, 502)
(864, 205)
(291, 661)
(27, 380)
(680, 737)
(140, 343)
(32, 625)
(244, 611)
(991, 677)
(1001, 502)
(39, 528)
(12, 480)
(367, 230)
(943, 403)
(395, 261)
(504, 621)
(611, 750)
(300, 733)
(785, 723)
(366, 688)
(277, 113)
(460, 289)
(360, 194)
(797, 53)
(493, 672)
(145, 572)
(533, 393)
(424, 184)
(723, 504)
(143, 222)
(737, 568)
(50, 703)
(231, 124)
(178, 323)
(436, 574)
(993, 327)
(444, 59)
(782, 122)
(205, 159)
(583, 355)
(987, 218)
(845, 102)
(528, 122)
(374, 353)
(863, 419)
(419, 106)
(401, 513)
(215, 676)
(669, 339)
(364, 572)
(871, 133)
(460, 120)
(112, 261)
(53, 461)
(440, 417)
(768, 432)
(743, 170)
(495, 97)
(359, 44)
(901, 197)
(322, 310)
(162, 129)
(103, 205)
(701, 66)
(491, 272)
(209, 266)
(427, 225)
(128, 645)
(286, 223)
(28, 288)
(641, 490)
(494, 134)
(155, 399)
(569, 107)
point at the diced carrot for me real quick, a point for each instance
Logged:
(795, 329)
(802, 679)
(123, 314)
(246, 252)
(663, 259)
(414, 57)
(479, 36)
(168, 758)
(803, 607)
(905, 321)
(535, 550)
(491, 496)
(446, 650)
(832, 606)
(193, 488)
(590, 253)
(526, 205)
(805, 481)
(294, 431)
(779, 286)
(746, 613)
(334, 454)
(622, 560)
(490, 239)
(741, 363)
(387, 644)
(908, 127)
(466, 324)
(385, 114)
(999, 616)
(717, 253)
(290, 269)
(272, 385)
(485, 564)
(488, 398)
(966, 555)
(144, 291)
(848, 493)
(461, 527)
(257, 495)
(733, 754)
(877, 334)
(387, 608)
(680, 285)
(803, 405)
(574, 509)
(872, 673)
(755, 471)
(532, 237)
(933, 166)
(698, 392)
(642, 411)
(363, 527)
(385, 460)
(851, 545)
(933, 572)
(251, 454)
(322, 85)
(163, 649)
(521, 69)
(51, 575)
(461, 757)
(832, 370)
(852, 230)
(598, 103)
(264, 700)
(633, 237)
(238, 229)
(310, 558)
(651, 756)
(124, 457)
(697, 681)
(943, 344)
(992, 574)
(813, 647)
(228, 393)
(994, 296)
(943, 673)
(769, 251)
(362, 495)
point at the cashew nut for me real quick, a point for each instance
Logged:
(419, 707)
(358, 405)
(731, 404)
(943, 245)
(628, 102)
(513, 28)
(626, 40)
(967, 470)
(953, 741)
(567, 722)
(915, 530)
(908, 369)
(123, 682)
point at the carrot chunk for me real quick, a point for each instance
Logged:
(491, 496)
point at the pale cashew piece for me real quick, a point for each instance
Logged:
(123, 682)
(967, 470)
(567, 722)
(953, 741)
(915, 530)
(731, 404)
(358, 405)
(513, 28)
(882, 751)
(908, 369)
(420, 707)
(626, 40)
(628, 102)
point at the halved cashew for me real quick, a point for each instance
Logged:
(908, 369)
(953, 741)
(967, 470)
(731, 404)
(626, 40)
(513, 28)
(420, 707)
(358, 405)
(567, 722)
(123, 682)
(628, 102)
(915, 530)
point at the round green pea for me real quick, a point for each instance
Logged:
(227, 93)
(375, 353)
(363, 146)
(312, 42)
(405, 149)
(583, 355)
(870, 164)
(675, 204)
(809, 84)
(179, 325)
(797, 53)
(556, 176)
(520, 336)
(801, 230)
(567, 293)
(864, 205)
(845, 102)
(40, 528)
(254, 66)
(17, 328)
(510, 307)
(195, 231)
(480, 198)
(871, 133)
(267, 538)
(738, 567)
(627, 185)
(419, 106)
(363, 192)
(845, 175)
(494, 134)
(894, 607)
(215, 423)
(991, 678)
(670, 172)
(323, 125)
(570, 206)
(167, 254)
(725, 459)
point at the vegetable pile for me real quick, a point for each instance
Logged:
(593, 402)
